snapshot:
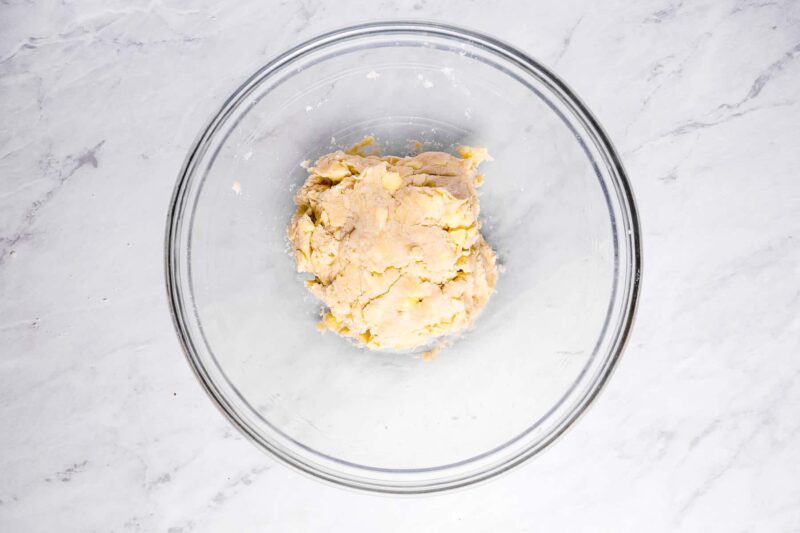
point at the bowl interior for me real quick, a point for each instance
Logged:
(550, 208)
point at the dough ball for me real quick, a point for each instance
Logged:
(394, 245)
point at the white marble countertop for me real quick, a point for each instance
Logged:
(104, 425)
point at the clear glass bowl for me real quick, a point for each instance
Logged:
(556, 206)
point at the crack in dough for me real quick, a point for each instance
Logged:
(394, 245)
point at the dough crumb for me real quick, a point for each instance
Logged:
(430, 355)
(358, 148)
(414, 145)
(394, 245)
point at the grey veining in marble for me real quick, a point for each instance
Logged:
(104, 426)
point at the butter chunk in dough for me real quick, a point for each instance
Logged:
(394, 245)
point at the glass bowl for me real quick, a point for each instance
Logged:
(556, 207)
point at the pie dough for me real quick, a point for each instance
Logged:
(394, 245)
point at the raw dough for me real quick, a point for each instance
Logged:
(394, 245)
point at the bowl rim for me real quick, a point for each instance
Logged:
(630, 295)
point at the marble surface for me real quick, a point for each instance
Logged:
(104, 425)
